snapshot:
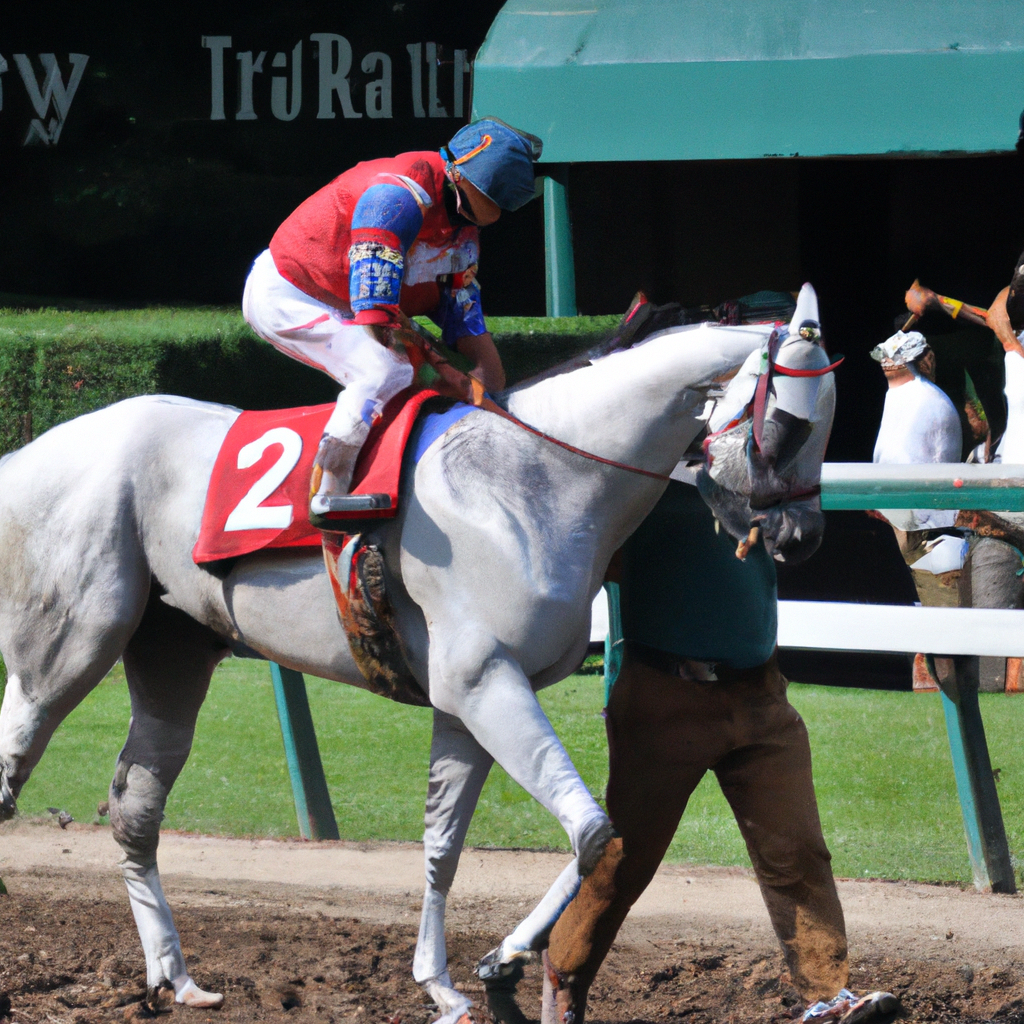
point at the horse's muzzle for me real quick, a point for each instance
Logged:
(792, 529)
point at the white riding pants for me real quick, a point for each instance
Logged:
(325, 337)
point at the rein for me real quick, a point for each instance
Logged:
(492, 406)
(468, 389)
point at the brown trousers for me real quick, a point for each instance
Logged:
(664, 733)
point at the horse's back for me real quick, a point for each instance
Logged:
(118, 435)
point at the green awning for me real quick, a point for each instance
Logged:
(703, 80)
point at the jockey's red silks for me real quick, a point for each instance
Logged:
(311, 247)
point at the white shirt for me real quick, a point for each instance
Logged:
(1011, 447)
(919, 425)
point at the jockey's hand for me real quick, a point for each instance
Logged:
(480, 350)
(406, 322)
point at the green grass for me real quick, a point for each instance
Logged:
(881, 761)
(24, 318)
(122, 326)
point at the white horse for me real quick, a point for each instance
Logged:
(500, 546)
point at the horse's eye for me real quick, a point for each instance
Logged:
(809, 331)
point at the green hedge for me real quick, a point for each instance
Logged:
(64, 360)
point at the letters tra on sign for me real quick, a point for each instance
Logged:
(333, 90)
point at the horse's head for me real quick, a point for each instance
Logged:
(768, 436)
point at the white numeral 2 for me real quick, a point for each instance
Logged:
(248, 514)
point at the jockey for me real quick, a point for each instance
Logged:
(387, 240)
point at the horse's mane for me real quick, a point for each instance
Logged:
(642, 320)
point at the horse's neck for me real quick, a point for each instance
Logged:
(642, 406)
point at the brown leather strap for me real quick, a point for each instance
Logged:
(468, 389)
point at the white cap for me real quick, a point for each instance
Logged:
(901, 348)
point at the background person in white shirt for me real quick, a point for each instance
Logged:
(920, 424)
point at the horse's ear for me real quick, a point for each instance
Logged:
(806, 311)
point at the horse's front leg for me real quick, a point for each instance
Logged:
(168, 664)
(473, 677)
(458, 770)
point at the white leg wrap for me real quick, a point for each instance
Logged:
(431, 959)
(164, 960)
(451, 1003)
(531, 932)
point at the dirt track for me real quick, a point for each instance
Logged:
(325, 932)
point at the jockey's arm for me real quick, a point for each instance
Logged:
(481, 351)
(385, 223)
(461, 319)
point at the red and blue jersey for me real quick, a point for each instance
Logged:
(378, 238)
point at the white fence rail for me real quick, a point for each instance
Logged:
(881, 628)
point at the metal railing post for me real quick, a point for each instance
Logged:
(613, 641)
(975, 783)
(961, 486)
(309, 785)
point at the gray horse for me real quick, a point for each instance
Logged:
(501, 543)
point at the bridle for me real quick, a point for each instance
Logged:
(471, 390)
(757, 407)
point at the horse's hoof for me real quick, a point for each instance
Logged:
(192, 995)
(492, 968)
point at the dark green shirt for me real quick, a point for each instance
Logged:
(684, 591)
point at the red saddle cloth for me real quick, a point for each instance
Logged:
(258, 496)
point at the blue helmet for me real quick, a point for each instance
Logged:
(497, 159)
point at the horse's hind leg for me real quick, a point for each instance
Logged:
(168, 663)
(58, 642)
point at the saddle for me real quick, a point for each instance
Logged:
(258, 493)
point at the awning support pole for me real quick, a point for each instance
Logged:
(558, 258)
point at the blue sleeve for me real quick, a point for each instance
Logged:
(459, 314)
(385, 222)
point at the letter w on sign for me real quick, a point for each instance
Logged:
(53, 92)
